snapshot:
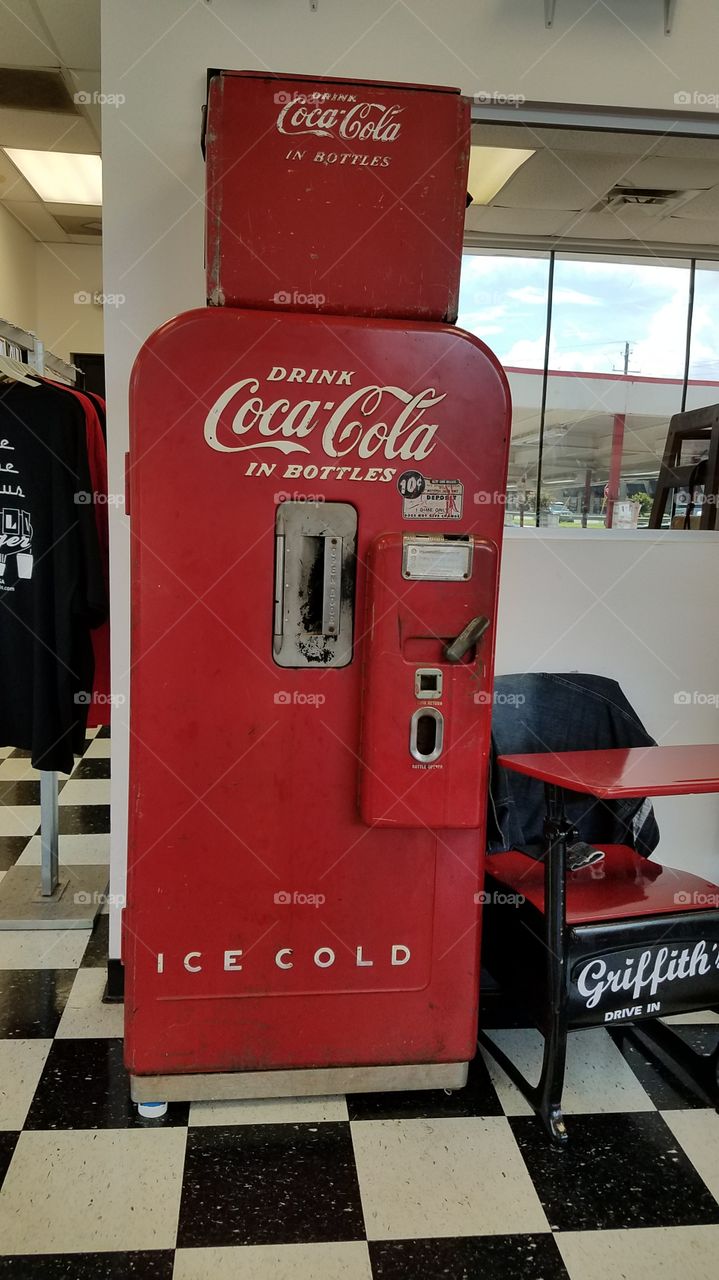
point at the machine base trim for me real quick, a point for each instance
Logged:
(312, 1082)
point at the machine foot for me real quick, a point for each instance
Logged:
(152, 1110)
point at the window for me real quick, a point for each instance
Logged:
(616, 371)
(614, 378)
(503, 300)
(703, 383)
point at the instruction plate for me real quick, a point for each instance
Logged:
(436, 561)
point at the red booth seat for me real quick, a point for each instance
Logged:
(623, 886)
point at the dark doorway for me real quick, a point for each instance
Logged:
(93, 367)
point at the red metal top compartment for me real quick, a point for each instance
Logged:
(329, 195)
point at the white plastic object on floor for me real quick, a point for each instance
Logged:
(152, 1110)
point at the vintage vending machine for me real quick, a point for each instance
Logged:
(316, 502)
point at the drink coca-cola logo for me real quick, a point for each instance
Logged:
(360, 122)
(370, 420)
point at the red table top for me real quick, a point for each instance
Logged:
(625, 772)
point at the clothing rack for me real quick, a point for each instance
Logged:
(46, 907)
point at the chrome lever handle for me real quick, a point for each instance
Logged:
(469, 635)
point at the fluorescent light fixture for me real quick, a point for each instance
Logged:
(490, 168)
(60, 177)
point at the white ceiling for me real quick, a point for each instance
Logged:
(554, 195)
(551, 198)
(62, 36)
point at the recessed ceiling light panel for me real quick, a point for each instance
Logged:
(60, 177)
(490, 169)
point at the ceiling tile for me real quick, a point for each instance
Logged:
(23, 40)
(704, 207)
(687, 148)
(690, 231)
(576, 181)
(595, 226)
(513, 222)
(37, 220)
(43, 131)
(674, 173)
(74, 26)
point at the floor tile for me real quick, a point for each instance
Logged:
(517, 1257)
(79, 1192)
(269, 1184)
(24, 792)
(269, 1111)
(85, 1016)
(424, 1178)
(7, 1147)
(21, 1064)
(19, 770)
(11, 848)
(84, 1085)
(96, 952)
(598, 1078)
(19, 820)
(93, 791)
(19, 753)
(698, 1133)
(99, 749)
(32, 1001)
(102, 731)
(85, 769)
(655, 1253)
(42, 948)
(347, 1261)
(83, 819)
(73, 849)
(667, 1090)
(150, 1264)
(478, 1098)
(617, 1171)
(708, 1015)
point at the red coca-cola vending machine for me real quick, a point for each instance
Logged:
(316, 504)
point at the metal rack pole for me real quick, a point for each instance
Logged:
(49, 815)
(24, 904)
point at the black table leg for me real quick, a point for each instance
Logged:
(546, 1096)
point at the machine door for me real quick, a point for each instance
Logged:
(314, 584)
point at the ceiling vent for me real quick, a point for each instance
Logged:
(27, 90)
(652, 202)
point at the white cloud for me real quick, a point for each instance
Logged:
(575, 298)
(525, 354)
(529, 293)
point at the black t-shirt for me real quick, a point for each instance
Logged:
(51, 583)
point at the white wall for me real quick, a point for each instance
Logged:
(47, 289)
(643, 609)
(17, 273)
(156, 56)
(67, 275)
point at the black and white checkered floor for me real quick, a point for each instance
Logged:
(462, 1186)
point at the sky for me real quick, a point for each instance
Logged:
(598, 306)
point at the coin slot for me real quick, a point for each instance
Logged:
(428, 682)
